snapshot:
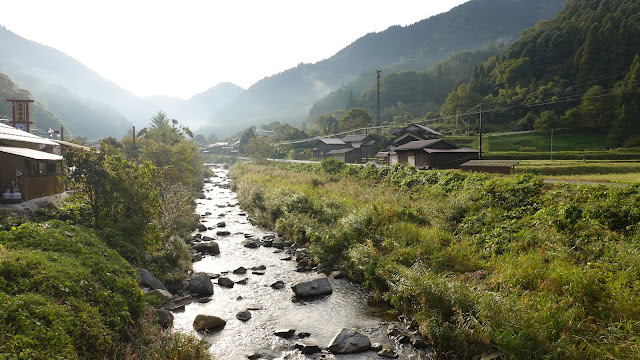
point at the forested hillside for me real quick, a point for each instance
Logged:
(578, 71)
(473, 25)
(42, 118)
(288, 96)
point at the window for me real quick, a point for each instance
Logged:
(40, 168)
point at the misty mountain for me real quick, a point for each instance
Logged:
(196, 111)
(89, 104)
(289, 95)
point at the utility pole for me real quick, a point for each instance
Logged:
(378, 71)
(551, 144)
(134, 136)
(480, 153)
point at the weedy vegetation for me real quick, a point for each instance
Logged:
(515, 265)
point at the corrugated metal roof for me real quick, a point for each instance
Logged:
(9, 133)
(76, 146)
(412, 145)
(341, 151)
(29, 153)
(332, 141)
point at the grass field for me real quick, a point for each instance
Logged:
(575, 170)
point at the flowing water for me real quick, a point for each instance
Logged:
(272, 309)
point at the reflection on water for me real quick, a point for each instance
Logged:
(274, 309)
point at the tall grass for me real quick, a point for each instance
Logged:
(533, 270)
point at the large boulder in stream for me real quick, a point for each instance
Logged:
(201, 285)
(208, 247)
(349, 341)
(208, 323)
(312, 285)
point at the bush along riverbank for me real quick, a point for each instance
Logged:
(71, 277)
(483, 264)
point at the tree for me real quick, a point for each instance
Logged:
(260, 148)
(326, 124)
(246, 136)
(351, 102)
(596, 109)
(355, 118)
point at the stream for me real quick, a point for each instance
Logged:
(272, 309)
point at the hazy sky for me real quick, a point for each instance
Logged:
(181, 48)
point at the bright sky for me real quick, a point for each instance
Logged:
(181, 48)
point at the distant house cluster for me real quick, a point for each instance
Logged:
(414, 144)
(29, 164)
(222, 148)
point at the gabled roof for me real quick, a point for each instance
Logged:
(10, 136)
(418, 128)
(355, 137)
(332, 141)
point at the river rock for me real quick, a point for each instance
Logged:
(147, 279)
(165, 318)
(278, 284)
(337, 274)
(240, 271)
(223, 233)
(284, 333)
(202, 196)
(243, 315)
(242, 281)
(201, 227)
(349, 341)
(251, 243)
(225, 282)
(201, 285)
(161, 294)
(312, 285)
(307, 346)
(259, 268)
(209, 247)
(221, 224)
(387, 351)
(208, 323)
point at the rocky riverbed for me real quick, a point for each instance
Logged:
(255, 296)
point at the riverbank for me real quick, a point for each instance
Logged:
(253, 274)
(516, 266)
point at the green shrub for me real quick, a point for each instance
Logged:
(64, 280)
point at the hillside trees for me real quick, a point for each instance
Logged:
(355, 118)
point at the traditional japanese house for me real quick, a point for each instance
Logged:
(432, 154)
(323, 146)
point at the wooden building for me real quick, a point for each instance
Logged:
(346, 155)
(323, 146)
(363, 142)
(26, 171)
(432, 154)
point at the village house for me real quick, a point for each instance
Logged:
(27, 169)
(432, 154)
(325, 145)
(414, 132)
